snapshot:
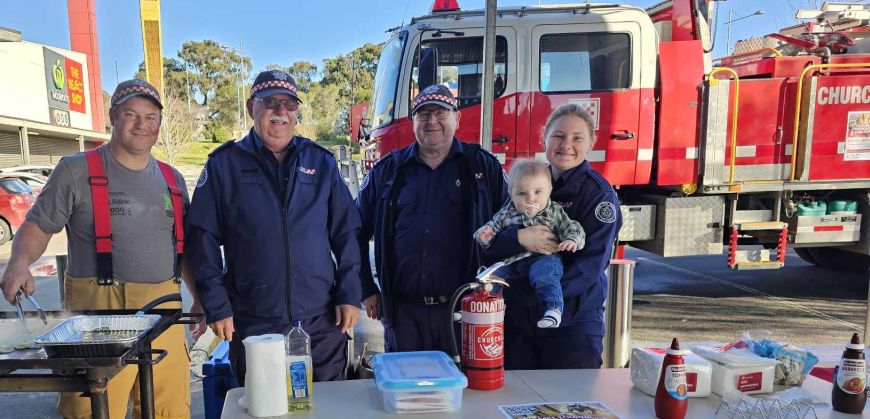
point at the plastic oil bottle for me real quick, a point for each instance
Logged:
(299, 369)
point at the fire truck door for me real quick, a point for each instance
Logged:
(598, 67)
(460, 67)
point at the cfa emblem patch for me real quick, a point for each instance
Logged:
(606, 212)
(279, 75)
(203, 177)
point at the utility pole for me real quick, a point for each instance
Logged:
(238, 86)
(187, 76)
(352, 100)
(728, 47)
(487, 94)
(242, 78)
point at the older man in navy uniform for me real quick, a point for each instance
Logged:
(422, 203)
(277, 204)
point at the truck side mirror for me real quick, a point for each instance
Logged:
(427, 67)
(362, 133)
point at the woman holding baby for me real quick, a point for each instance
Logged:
(587, 197)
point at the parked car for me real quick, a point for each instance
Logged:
(35, 181)
(16, 198)
(39, 169)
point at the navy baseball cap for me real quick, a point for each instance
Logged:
(132, 88)
(273, 82)
(436, 94)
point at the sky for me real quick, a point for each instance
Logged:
(283, 32)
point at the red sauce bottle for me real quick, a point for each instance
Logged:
(672, 393)
(850, 379)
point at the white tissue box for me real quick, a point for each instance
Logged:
(739, 370)
(646, 367)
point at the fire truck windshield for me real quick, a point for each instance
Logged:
(386, 81)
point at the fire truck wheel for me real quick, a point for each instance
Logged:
(5, 232)
(839, 259)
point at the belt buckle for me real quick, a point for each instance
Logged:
(430, 301)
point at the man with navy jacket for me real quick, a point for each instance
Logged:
(277, 204)
(421, 204)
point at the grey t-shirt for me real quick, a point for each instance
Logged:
(143, 249)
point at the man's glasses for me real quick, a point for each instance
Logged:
(440, 115)
(271, 103)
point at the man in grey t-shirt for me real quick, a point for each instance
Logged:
(143, 250)
(143, 245)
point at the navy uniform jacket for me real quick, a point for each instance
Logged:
(278, 249)
(588, 198)
(488, 192)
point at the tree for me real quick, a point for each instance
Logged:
(174, 76)
(213, 67)
(178, 126)
(320, 113)
(231, 102)
(303, 73)
(353, 73)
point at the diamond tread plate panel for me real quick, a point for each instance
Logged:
(687, 226)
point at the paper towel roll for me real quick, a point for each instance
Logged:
(265, 378)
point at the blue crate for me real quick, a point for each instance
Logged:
(217, 380)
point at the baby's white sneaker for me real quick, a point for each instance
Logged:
(552, 319)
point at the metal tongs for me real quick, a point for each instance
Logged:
(32, 301)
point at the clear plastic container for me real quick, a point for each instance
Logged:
(418, 382)
(299, 369)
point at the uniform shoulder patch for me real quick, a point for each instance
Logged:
(606, 212)
(203, 177)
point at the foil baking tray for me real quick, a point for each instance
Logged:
(95, 336)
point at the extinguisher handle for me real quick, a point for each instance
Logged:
(499, 281)
(483, 274)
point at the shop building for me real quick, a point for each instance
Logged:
(45, 103)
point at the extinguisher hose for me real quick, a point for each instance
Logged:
(451, 310)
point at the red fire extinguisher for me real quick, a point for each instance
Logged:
(482, 317)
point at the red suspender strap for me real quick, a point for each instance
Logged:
(102, 221)
(177, 196)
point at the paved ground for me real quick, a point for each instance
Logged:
(699, 298)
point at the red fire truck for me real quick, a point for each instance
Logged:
(770, 146)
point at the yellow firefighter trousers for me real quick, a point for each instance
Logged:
(171, 375)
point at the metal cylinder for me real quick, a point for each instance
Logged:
(617, 313)
(60, 261)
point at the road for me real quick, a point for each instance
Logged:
(699, 298)
(693, 298)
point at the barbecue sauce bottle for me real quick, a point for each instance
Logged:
(672, 393)
(850, 379)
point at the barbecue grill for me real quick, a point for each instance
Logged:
(87, 366)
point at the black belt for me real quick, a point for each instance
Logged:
(429, 301)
